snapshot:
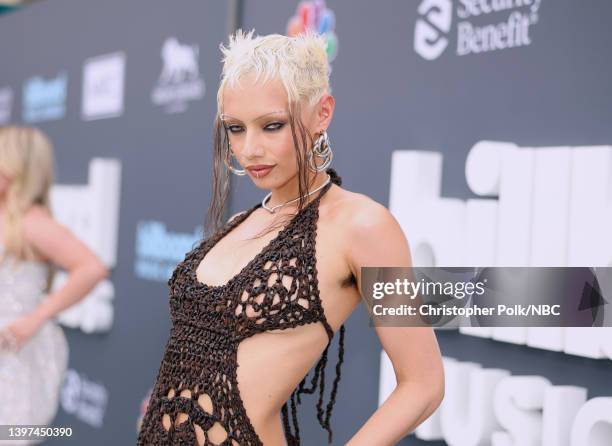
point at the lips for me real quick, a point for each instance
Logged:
(260, 170)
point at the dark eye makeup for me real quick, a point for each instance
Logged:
(274, 126)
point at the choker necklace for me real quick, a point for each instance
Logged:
(274, 208)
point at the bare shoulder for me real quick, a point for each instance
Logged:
(359, 213)
(53, 241)
(36, 217)
(38, 224)
(372, 235)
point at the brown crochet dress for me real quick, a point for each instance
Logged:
(197, 375)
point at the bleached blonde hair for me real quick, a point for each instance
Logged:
(26, 156)
(301, 64)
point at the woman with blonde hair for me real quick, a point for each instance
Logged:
(252, 307)
(33, 349)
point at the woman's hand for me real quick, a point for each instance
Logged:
(19, 332)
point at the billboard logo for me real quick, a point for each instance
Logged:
(179, 81)
(96, 224)
(103, 80)
(158, 250)
(6, 103)
(44, 100)
(431, 28)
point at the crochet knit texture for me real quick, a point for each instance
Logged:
(197, 377)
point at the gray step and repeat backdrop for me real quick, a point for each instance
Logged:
(136, 81)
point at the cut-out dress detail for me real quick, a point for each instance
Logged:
(196, 390)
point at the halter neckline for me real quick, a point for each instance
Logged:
(212, 241)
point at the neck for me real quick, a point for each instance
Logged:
(289, 191)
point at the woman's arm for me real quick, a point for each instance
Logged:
(57, 244)
(417, 362)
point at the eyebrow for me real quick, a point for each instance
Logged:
(224, 116)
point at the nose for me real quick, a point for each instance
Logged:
(252, 147)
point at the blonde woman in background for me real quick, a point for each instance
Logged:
(33, 349)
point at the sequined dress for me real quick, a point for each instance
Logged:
(209, 322)
(30, 380)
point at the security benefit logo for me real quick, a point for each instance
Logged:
(103, 81)
(431, 29)
(6, 104)
(180, 80)
(482, 26)
(84, 398)
(44, 99)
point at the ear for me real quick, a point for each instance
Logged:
(325, 111)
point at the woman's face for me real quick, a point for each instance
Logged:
(256, 119)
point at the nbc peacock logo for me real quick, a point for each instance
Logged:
(315, 15)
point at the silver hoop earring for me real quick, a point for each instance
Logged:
(228, 163)
(321, 149)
